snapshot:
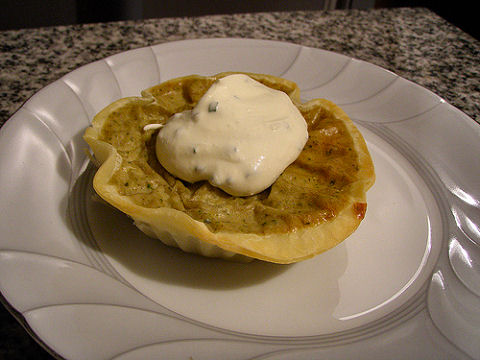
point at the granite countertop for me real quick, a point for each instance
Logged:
(412, 42)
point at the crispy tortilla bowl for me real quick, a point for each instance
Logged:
(316, 203)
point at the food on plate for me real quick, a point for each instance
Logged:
(233, 166)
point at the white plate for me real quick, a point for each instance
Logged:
(91, 286)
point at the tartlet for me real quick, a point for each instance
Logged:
(316, 203)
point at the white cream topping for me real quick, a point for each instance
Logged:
(240, 137)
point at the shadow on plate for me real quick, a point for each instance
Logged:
(113, 240)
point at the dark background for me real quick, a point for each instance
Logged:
(18, 14)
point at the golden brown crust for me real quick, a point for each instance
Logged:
(310, 233)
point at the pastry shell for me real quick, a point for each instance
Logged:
(176, 228)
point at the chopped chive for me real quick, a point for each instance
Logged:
(212, 107)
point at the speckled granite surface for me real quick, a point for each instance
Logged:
(414, 43)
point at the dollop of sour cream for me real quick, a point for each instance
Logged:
(240, 137)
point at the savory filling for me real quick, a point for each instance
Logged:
(311, 190)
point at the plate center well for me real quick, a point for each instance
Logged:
(372, 273)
